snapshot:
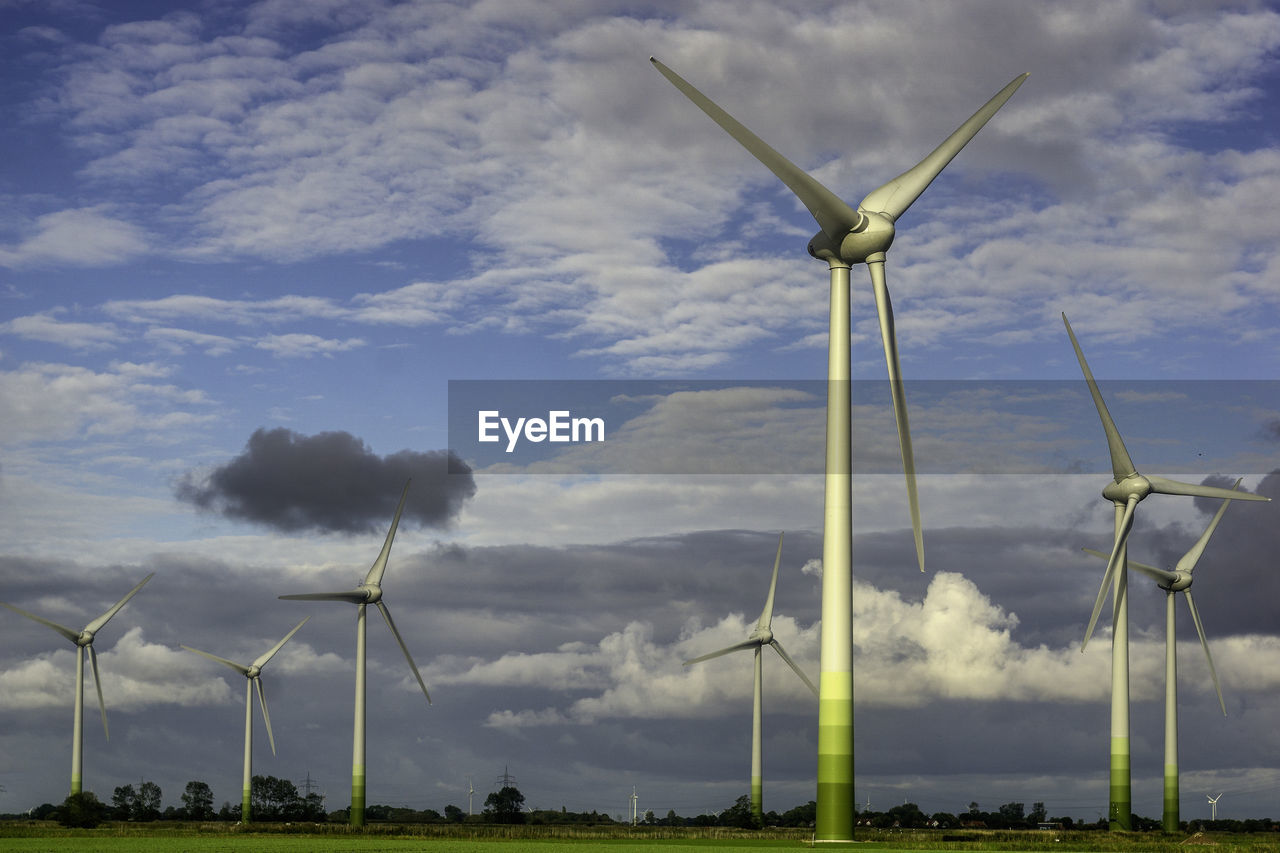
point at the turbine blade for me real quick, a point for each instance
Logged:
(238, 667)
(262, 700)
(1195, 617)
(1189, 559)
(745, 644)
(1149, 571)
(895, 197)
(834, 216)
(1163, 486)
(777, 647)
(766, 615)
(380, 565)
(386, 614)
(97, 682)
(885, 309)
(262, 660)
(354, 596)
(71, 635)
(96, 625)
(1122, 536)
(1121, 464)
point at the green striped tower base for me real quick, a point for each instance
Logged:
(834, 821)
(1121, 791)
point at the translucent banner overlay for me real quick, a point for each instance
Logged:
(601, 427)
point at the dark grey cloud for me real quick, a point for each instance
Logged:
(329, 481)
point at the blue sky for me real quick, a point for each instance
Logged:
(228, 225)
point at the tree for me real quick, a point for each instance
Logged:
(1038, 813)
(1013, 814)
(505, 806)
(274, 799)
(739, 814)
(147, 804)
(453, 814)
(197, 800)
(907, 815)
(122, 800)
(82, 810)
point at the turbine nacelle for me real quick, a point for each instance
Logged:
(85, 638)
(1180, 581)
(372, 592)
(873, 234)
(763, 636)
(1133, 487)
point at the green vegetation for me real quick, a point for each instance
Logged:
(161, 837)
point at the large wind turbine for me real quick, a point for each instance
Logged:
(760, 637)
(83, 640)
(848, 237)
(1174, 582)
(253, 676)
(368, 592)
(1126, 490)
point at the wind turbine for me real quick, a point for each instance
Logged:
(1213, 803)
(848, 237)
(1174, 582)
(253, 674)
(760, 637)
(368, 592)
(1126, 490)
(83, 640)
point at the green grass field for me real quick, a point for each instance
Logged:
(219, 838)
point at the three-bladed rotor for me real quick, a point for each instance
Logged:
(762, 634)
(83, 639)
(370, 591)
(1128, 487)
(253, 672)
(849, 236)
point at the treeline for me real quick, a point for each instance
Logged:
(271, 799)
(1015, 816)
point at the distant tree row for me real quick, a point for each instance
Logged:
(272, 800)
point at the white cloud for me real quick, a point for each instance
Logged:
(46, 327)
(45, 402)
(82, 237)
(954, 644)
(298, 345)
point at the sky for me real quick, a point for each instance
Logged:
(263, 262)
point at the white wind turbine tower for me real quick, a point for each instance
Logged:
(368, 592)
(760, 637)
(253, 676)
(83, 641)
(471, 792)
(1174, 582)
(1126, 490)
(848, 237)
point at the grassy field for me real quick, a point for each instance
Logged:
(220, 838)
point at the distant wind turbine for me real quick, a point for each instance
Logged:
(847, 237)
(368, 592)
(1126, 490)
(1174, 582)
(83, 641)
(760, 637)
(1213, 803)
(253, 674)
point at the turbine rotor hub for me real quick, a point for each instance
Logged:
(85, 639)
(1133, 486)
(873, 234)
(253, 672)
(372, 592)
(1180, 583)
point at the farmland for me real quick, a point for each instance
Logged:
(219, 838)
